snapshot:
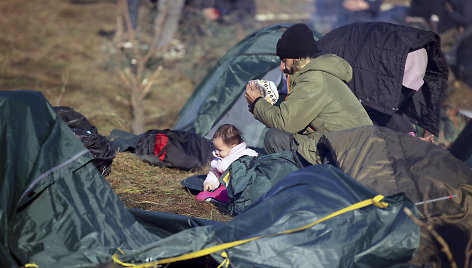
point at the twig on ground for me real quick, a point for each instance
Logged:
(149, 202)
(468, 252)
(425, 206)
(65, 79)
(445, 247)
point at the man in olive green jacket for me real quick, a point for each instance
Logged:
(318, 101)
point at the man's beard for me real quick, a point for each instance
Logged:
(293, 69)
(288, 71)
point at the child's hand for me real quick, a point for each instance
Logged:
(208, 187)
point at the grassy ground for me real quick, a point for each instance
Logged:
(140, 185)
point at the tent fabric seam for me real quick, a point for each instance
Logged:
(50, 171)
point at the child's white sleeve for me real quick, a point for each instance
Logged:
(212, 179)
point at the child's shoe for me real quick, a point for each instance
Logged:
(219, 194)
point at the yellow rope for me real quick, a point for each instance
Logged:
(124, 264)
(226, 260)
(373, 201)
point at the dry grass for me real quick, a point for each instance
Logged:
(140, 185)
(53, 46)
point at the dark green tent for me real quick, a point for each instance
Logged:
(55, 206)
(56, 210)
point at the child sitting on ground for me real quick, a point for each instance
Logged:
(229, 146)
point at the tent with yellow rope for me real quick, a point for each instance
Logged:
(315, 217)
(57, 210)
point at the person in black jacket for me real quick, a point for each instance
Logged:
(378, 54)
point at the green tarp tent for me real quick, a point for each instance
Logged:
(55, 206)
(56, 210)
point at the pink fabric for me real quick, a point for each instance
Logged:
(415, 69)
(220, 194)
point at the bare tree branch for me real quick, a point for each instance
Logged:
(445, 247)
(148, 85)
(65, 79)
(131, 78)
(125, 79)
(468, 252)
(425, 206)
(138, 86)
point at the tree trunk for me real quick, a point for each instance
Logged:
(137, 125)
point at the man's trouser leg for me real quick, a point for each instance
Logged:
(277, 140)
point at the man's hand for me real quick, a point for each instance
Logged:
(252, 93)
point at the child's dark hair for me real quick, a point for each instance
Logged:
(229, 134)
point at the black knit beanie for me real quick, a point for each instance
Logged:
(297, 42)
